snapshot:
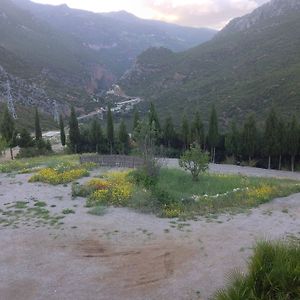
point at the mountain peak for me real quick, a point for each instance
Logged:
(270, 10)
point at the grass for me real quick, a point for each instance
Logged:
(29, 165)
(273, 274)
(98, 210)
(177, 195)
(68, 211)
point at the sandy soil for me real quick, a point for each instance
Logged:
(124, 254)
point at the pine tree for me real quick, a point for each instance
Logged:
(110, 130)
(197, 131)
(96, 138)
(8, 131)
(213, 133)
(185, 132)
(293, 141)
(37, 126)
(62, 131)
(232, 141)
(169, 133)
(123, 138)
(136, 119)
(271, 141)
(249, 137)
(153, 118)
(74, 133)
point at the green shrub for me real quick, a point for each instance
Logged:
(274, 274)
(98, 210)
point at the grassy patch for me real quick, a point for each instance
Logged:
(40, 204)
(98, 210)
(68, 211)
(273, 274)
(177, 195)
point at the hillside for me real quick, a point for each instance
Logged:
(71, 56)
(251, 65)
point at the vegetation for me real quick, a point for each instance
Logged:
(194, 160)
(273, 274)
(62, 131)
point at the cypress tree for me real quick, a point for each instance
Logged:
(213, 133)
(169, 132)
(62, 131)
(136, 119)
(197, 130)
(123, 138)
(110, 130)
(281, 137)
(271, 141)
(153, 118)
(293, 141)
(185, 132)
(74, 133)
(96, 136)
(232, 141)
(7, 129)
(249, 137)
(38, 130)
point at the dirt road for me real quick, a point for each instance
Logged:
(123, 254)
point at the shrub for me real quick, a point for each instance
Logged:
(274, 274)
(97, 211)
(194, 160)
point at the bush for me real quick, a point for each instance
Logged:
(274, 274)
(194, 160)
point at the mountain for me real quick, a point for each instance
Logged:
(71, 56)
(250, 66)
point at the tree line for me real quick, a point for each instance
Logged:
(272, 145)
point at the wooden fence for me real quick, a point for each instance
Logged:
(118, 161)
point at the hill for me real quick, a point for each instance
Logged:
(250, 66)
(71, 56)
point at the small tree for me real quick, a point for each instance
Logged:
(7, 129)
(194, 160)
(74, 133)
(213, 133)
(110, 130)
(37, 126)
(25, 140)
(96, 138)
(123, 138)
(3, 145)
(62, 131)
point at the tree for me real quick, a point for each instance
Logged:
(185, 132)
(3, 145)
(169, 133)
(110, 130)
(62, 131)
(37, 126)
(293, 141)
(271, 141)
(74, 132)
(249, 137)
(281, 137)
(213, 133)
(197, 130)
(123, 138)
(96, 136)
(136, 119)
(25, 140)
(153, 118)
(8, 131)
(194, 160)
(232, 140)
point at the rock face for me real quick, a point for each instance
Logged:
(272, 9)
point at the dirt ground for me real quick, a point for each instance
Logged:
(124, 254)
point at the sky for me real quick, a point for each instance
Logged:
(196, 13)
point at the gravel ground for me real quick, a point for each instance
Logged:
(124, 254)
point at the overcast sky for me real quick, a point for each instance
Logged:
(196, 13)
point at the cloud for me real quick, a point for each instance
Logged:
(201, 13)
(196, 13)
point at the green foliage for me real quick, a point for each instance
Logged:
(249, 137)
(153, 118)
(98, 210)
(110, 130)
(293, 140)
(136, 119)
(123, 138)
(96, 137)
(195, 161)
(213, 132)
(273, 274)
(37, 126)
(185, 132)
(25, 140)
(197, 131)
(74, 133)
(169, 134)
(62, 131)
(232, 141)
(7, 128)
